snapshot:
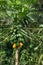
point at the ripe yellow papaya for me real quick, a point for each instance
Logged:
(21, 44)
(14, 45)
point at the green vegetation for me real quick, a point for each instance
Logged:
(21, 21)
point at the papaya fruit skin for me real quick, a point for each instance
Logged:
(14, 45)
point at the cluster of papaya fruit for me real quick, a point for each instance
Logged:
(20, 45)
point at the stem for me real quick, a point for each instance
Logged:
(16, 55)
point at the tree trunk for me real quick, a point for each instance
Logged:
(16, 55)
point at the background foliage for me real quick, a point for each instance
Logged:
(21, 20)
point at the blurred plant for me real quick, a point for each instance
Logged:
(19, 22)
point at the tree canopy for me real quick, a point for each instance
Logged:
(21, 21)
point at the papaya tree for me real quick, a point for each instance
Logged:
(17, 19)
